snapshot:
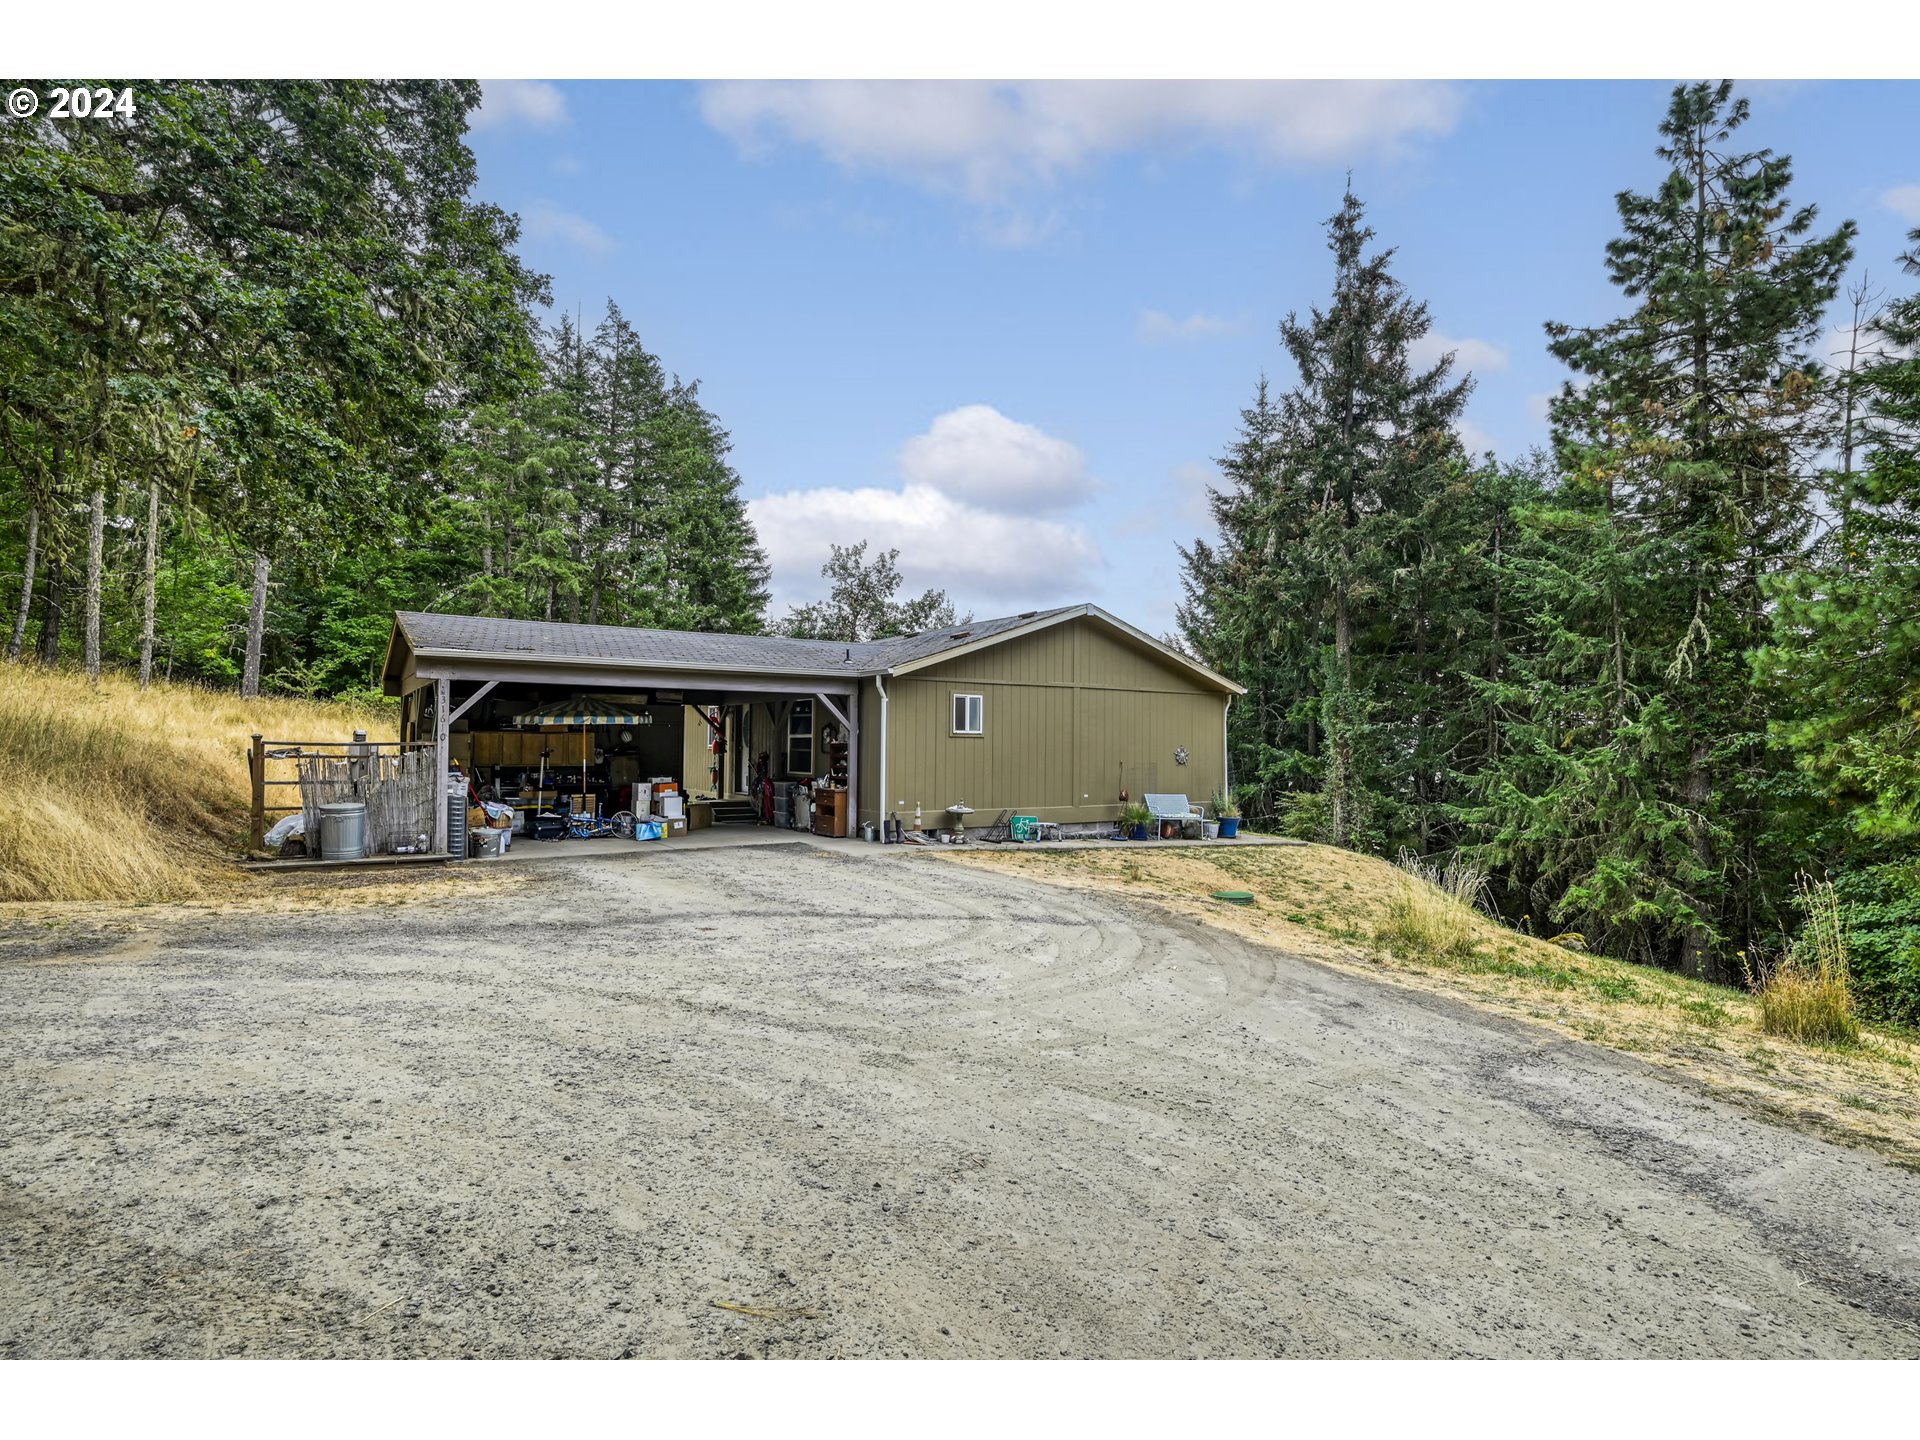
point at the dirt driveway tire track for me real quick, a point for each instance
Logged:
(899, 1107)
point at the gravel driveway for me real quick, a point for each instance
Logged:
(887, 1106)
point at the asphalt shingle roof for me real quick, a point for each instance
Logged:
(481, 635)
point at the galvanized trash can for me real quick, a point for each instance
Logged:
(343, 830)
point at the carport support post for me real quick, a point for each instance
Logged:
(440, 728)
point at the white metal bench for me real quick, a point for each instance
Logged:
(1175, 807)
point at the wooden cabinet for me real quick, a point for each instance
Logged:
(520, 749)
(830, 815)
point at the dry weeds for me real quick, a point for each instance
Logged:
(1332, 905)
(117, 793)
(1808, 995)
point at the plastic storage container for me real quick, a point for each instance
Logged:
(456, 818)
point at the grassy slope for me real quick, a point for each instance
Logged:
(1332, 905)
(117, 793)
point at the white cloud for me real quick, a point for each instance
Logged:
(550, 222)
(1156, 326)
(989, 141)
(1537, 404)
(1904, 201)
(972, 516)
(987, 560)
(1479, 356)
(1475, 440)
(1181, 510)
(1017, 227)
(566, 165)
(1194, 481)
(977, 455)
(537, 104)
(1840, 346)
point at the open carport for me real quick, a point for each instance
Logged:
(1061, 715)
(503, 699)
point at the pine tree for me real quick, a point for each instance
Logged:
(1644, 794)
(1235, 589)
(1846, 662)
(1324, 505)
(712, 572)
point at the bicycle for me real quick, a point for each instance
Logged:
(588, 827)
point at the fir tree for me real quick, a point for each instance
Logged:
(1846, 660)
(1235, 588)
(1643, 794)
(1326, 490)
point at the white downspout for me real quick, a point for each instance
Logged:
(880, 684)
(1226, 754)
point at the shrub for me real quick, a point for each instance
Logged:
(1807, 995)
(1304, 815)
(1882, 906)
(1433, 912)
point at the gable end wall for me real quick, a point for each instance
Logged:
(1072, 714)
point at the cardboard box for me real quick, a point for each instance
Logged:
(699, 815)
(675, 827)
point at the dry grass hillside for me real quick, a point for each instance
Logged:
(117, 793)
(1362, 914)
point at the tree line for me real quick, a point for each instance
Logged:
(269, 371)
(1647, 677)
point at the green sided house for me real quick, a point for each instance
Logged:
(1050, 713)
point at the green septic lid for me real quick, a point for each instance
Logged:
(1234, 897)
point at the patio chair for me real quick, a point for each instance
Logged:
(1175, 807)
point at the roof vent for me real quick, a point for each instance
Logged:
(849, 654)
(959, 634)
(1028, 614)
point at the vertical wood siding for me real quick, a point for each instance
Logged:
(1067, 711)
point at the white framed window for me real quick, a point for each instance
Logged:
(969, 715)
(800, 738)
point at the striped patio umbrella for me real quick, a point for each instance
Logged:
(578, 713)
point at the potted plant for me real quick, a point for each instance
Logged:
(1134, 819)
(1228, 814)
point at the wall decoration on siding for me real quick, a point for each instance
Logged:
(1180, 756)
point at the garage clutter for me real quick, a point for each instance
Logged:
(485, 828)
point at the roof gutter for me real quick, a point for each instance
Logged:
(601, 662)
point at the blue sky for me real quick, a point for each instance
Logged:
(1005, 329)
